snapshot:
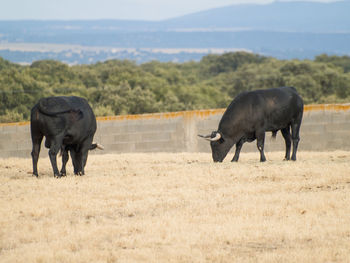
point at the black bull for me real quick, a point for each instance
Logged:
(68, 124)
(253, 113)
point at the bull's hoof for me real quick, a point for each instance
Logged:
(57, 176)
(63, 174)
(36, 175)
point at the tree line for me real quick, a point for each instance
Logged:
(116, 87)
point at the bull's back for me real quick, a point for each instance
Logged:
(282, 107)
(75, 119)
(285, 99)
(271, 108)
(81, 123)
(85, 123)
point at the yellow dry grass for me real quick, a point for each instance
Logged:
(168, 207)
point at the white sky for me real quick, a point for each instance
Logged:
(110, 9)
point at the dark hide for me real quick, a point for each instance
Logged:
(68, 124)
(253, 113)
(65, 149)
(58, 105)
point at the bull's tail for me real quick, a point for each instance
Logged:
(95, 145)
(274, 134)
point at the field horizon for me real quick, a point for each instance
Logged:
(178, 207)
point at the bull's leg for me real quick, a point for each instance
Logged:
(260, 136)
(36, 141)
(239, 145)
(65, 158)
(287, 139)
(54, 149)
(75, 160)
(79, 158)
(78, 169)
(295, 138)
(84, 154)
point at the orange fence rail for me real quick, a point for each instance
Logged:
(195, 113)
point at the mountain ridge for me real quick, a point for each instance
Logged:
(284, 30)
(296, 16)
(276, 16)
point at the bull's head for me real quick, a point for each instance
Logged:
(219, 145)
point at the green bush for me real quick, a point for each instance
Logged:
(122, 87)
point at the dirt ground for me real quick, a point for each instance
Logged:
(178, 207)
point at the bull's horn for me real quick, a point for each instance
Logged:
(209, 138)
(204, 136)
(98, 146)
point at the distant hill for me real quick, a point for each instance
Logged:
(278, 16)
(297, 16)
(281, 29)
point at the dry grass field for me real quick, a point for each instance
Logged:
(167, 207)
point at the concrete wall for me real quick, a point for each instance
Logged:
(324, 127)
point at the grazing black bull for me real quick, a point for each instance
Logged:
(68, 124)
(253, 113)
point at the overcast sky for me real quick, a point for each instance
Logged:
(110, 9)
